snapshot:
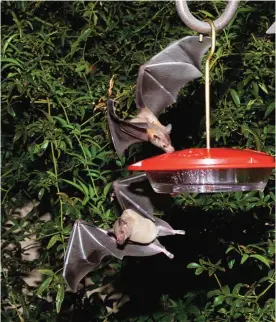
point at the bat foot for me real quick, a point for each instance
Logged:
(179, 232)
(167, 253)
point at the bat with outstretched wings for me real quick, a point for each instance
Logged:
(158, 84)
(88, 244)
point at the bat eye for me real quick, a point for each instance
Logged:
(157, 138)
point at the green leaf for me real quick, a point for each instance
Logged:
(85, 189)
(238, 195)
(255, 89)
(246, 130)
(85, 34)
(59, 297)
(261, 259)
(74, 184)
(218, 300)
(263, 87)
(270, 109)
(81, 38)
(231, 263)
(61, 120)
(272, 195)
(17, 136)
(244, 258)
(225, 290)
(193, 265)
(80, 68)
(13, 61)
(11, 111)
(207, 14)
(91, 191)
(173, 303)
(7, 43)
(213, 293)
(46, 271)
(85, 200)
(53, 240)
(107, 188)
(231, 247)
(199, 270)
(95, 19)
(44, 285)
(237, 288)
(235, 97)
(48, 116)
(41, 193)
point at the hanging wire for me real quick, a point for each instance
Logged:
(207, 81)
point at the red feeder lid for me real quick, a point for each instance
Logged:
(202, 158)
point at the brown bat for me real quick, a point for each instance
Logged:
(158, 83)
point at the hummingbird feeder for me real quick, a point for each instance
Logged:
(202, 170)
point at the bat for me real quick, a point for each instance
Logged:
(136, 193)
(158, 84)
(136, 228)
(271, 29)
(88, 244)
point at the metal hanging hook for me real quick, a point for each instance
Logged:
(207, 81)
(201, 26)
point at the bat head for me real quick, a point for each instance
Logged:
(159, 136)
(122, 231)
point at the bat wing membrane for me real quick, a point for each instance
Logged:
(135, 193)
(124, 133)
(88, 245)
(164, 229)
(161, 78)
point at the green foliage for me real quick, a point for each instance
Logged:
(59, 60)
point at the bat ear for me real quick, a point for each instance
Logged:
(169, 128)
(122, 222)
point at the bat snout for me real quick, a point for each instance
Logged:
(120, 240)
(169, 149)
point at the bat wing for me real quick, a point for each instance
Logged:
(146, 250)
(271, 29)
(136, 193)
(161, 78)
(124, 133)
(164, 229)
(88, 245)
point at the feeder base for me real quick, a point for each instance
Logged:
(163, 188)
(208, 180)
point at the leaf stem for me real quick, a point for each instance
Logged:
(12, 295)
(264, 291)
(56, 177)
(215, 275)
